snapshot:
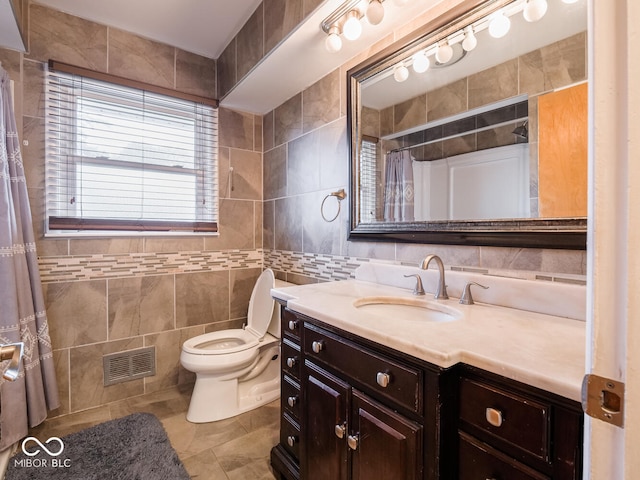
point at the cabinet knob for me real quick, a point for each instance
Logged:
(494, 417)
(291, 440)
(291, 362)
(383, 379)
(292, 400)
(317, 346)
(352, 441)
(293, 324)
(340, 430)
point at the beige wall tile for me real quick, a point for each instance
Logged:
(321, 102)
(258, 212)
(494, 84)
(287, 120)
(258, 142)
(140, 305)
(227, 69)
(12, 63)
(280, 18)
(77, 312)
(448, 100)
(411, 113)
(275, 172)
(61, 363)
(250, 43)
(268, 225)
(87, 377)
(554, 66)
(169, 371)
(58, 36)
(33, 89)
(370, 122)
(195, 74)
(241, 285)
(93, 246)
(236, 129)
(202, 298)
(140, 59)
(288, 224)
(236, 226)
(247, 175)
(173, 244)
(268, 131)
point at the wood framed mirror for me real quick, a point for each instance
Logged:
(486, 146)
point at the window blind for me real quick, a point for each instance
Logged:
(368, 180)
(127, 159)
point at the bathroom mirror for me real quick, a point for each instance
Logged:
(474, 130)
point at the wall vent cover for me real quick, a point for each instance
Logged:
(129, 365)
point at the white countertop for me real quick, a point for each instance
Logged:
(541, 350)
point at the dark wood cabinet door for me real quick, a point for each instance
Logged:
(384, 444)
(325, 411)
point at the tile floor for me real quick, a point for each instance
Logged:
(233, 449)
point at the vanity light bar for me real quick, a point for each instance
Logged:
(348, 17)
(459, 35)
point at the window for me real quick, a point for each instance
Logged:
(120, 158)
(368, 179)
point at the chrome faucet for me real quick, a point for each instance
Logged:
(12, 352)
(441, 291)
(418, 289)
(466, 298)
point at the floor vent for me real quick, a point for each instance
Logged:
(129, 365)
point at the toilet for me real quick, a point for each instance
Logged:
(237, 370)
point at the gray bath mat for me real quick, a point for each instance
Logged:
(135, 447)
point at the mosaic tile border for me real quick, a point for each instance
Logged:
(91, 267)
(322, 267)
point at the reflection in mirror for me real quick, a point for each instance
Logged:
(462, 126)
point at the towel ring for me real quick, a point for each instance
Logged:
(340, 195)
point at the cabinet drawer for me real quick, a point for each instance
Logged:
(290, 397)
(479, 461)
(291, 325)
(396, 382)
(290, 436)
(291, 360)
(520, 421)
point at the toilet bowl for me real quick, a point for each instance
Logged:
(237, 370)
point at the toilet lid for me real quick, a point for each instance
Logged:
(261, 303)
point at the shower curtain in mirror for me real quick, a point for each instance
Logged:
(24, 402)
(398, 187)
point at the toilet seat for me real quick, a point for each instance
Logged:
(224, 342)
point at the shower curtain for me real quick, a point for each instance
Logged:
(398, 187)
(24, 402)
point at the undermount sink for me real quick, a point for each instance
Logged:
(406, 308)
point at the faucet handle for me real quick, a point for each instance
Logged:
(418, 289)
(466, 298)
(12, 352)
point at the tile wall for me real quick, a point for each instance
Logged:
(105, 295)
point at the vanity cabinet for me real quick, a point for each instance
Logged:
(355, 409)
(352, 409)
(508, 430)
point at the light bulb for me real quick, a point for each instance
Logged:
(421, 62)
(352, 28)
(375, 12)
(444, 53)
(333, 42)
(400, 73)
(401, 3)
(470, 41)
(534, 10)
(499, 26)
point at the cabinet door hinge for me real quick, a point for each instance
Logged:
(603, 398)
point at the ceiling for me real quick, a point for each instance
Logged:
(204, 27)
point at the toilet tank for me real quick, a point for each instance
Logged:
(274, 325)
